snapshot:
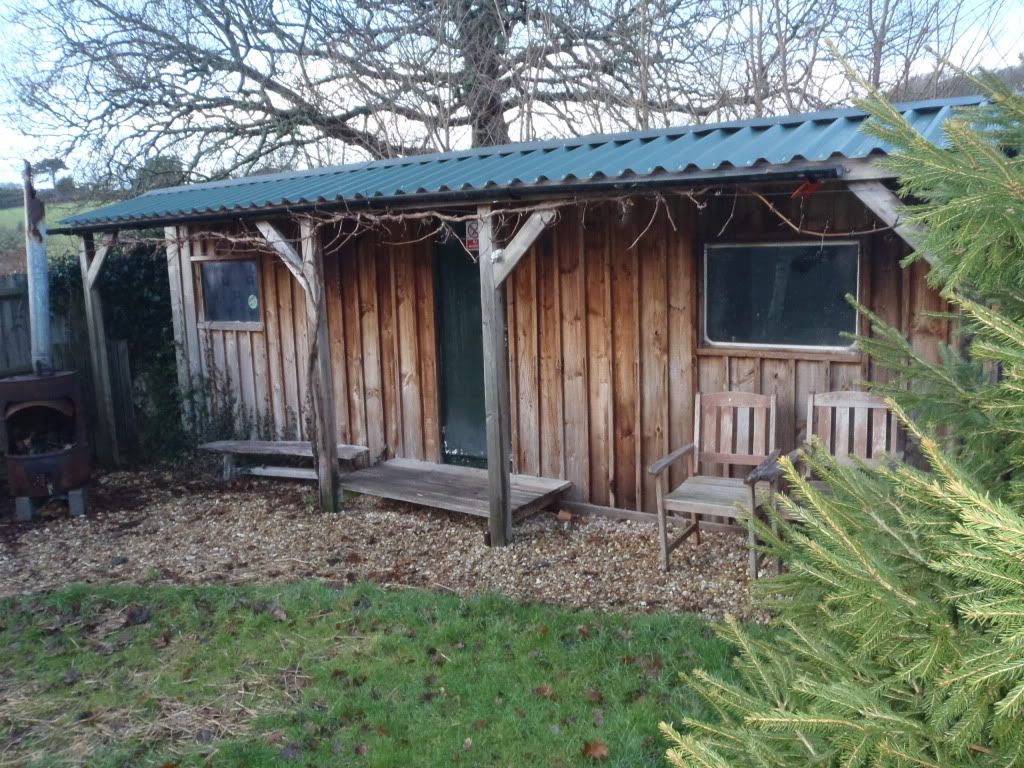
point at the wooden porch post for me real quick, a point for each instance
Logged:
(307, 269)
(91, 261)
(496, 388)
(322, 376)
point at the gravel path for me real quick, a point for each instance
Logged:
(173, 527)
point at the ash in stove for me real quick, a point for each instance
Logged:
(38, 428)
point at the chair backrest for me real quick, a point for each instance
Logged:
(853, 425)
(733, 428)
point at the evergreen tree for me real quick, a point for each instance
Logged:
(900, 620)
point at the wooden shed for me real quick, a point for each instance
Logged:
(547, 309)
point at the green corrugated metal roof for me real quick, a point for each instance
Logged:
(541, 167)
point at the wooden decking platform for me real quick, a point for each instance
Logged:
(458, 489)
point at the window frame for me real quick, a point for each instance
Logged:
(227, 325)
(856, 330)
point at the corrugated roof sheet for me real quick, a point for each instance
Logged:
(694, 152)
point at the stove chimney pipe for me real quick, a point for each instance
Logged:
(38, 276)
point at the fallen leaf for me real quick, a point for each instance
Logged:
(564, 516)
(595, 750)
(544, 691)
(467, 744)
(598, 718)
(102, 648)
(291, 752)
(594, 696)
(361, 749)
(136, 614)
(279, 614)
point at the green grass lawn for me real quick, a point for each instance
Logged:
(12, 232)
(303, 674)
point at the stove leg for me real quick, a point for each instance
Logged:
(78, 502)
(24, 506)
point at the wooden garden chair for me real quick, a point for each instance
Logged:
(730, 430)
(854, 427)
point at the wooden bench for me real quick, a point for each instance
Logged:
(351, 455)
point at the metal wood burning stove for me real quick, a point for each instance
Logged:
(42, 427)
(43, 434)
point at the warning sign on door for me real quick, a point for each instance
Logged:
(473, 235)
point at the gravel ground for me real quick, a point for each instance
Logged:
(187, 528)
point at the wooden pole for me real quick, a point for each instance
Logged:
(496, 389)
(91, 261)
(308, 269)
(37, 266)
(321, 378)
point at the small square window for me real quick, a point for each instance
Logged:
(780, 295)
(231, 291)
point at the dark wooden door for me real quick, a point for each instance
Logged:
(460, 354)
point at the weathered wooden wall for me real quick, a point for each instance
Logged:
(604, 336)
(380, 305)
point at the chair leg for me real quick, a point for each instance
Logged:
(752, 544)
(663, 538)
(751, 536)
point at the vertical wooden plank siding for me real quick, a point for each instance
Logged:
(654, 333)
(571, 276)
(288, 317)
(335, 324)
(384, 263)
(599, 359)
(369, 311)
(551, 427)
(351, 307)
(525, 368)
(274, 372)
(427, 330)
(682, 332)
(604, 346)
(408, 343)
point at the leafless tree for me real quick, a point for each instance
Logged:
(230, 86)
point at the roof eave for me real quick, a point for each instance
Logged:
(840, 168)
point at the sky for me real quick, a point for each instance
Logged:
(16, 146)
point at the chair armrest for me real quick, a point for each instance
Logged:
(668, 460)
(768, 471)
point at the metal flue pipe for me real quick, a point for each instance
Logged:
(38, 276)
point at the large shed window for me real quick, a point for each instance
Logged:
(231, 291)
(780, 295)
